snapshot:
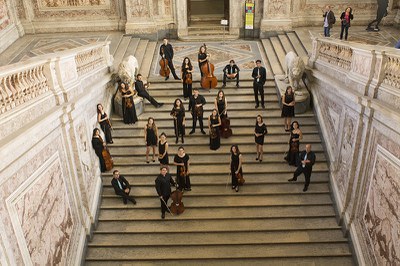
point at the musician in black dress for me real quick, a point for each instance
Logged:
(196, 103)
(163, 187)
(142, 92)
(307, 160)
(288, 103)
(221, 104)
(167, 52)
(98, 145)
(231, 71)
(104, 122)
(202, 57)
(150, 137)
(294, 143)
(182, 161)
(259, 132)
(214, 122)
(178, 113)
(122, 187)
(260, 76)
(163, 150)
(187, 77)
(128, 105)
(236, 166)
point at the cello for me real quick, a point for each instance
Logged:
(164, 69)
(177, 206)
(208, 80)
(108, 160)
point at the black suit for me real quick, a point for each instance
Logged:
(142, 92)
(258, 84)
(306, 169)
(163, 187)
(168, 53)
(228, 69)
(192, 103)
(119, 185)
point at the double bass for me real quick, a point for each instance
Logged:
(164, 69)
(208, 80)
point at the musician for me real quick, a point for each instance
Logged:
(202, 57)
(163, 150)
(236, 166)
(186, 72)
(307, 158)
(98, 145)
(128, 105)
(196, 103)
(122, 187)
(150, 137)
(104, 121)
(259, 132)
(260, 76)
(221, 104)
(167, 52)
(182, 162)
(214, 122)
(231, 71)
(178, 113)
(142, 92)
(163, 186)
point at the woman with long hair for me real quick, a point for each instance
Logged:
(214, 121)
(221, 104)
(202, 57)
(178, 113)
(163, 150)
(150, 137)
(104, 122)
(288, 103)
(128, 105)
(294, 143)
(98, 145)
(182, 162)
(259, 132)
(236, 166)
(187, 77)
(345, 18)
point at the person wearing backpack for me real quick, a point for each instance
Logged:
(329, 20)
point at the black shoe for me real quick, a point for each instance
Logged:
(159, 105)
(256, 106)
(260, 160)
(257, 159)
(177, 78)
(125, 202)
(191, 132)
(163, 216)
(292, 179)
(223, 86)
(111, 142)
(237, 86)
(263, 106)
(237, 189)
(166, 78)
(133, 201)
(183, 141)
(305, 189)
(203, 132)
(188, 189)
(233, 187)
(176, 141)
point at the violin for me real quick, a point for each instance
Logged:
(128, 102)
(164, 69)
(240, 179)
(208, 81)
(188, 78)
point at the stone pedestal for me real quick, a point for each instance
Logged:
(302, 96)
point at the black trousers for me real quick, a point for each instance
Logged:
(258, 89)
(307, 174)
(345, 29)
(163, 206)
(147, 96)
(125, 196)
(187, 90)
(225, 77)
(195, 118)
(172, 68)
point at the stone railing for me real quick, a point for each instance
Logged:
(392, 70)
(20, 83)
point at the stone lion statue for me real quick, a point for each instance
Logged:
(128, 69)
(294, 69)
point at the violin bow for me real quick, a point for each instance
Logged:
(166, 206)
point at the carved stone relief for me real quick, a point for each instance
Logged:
(4, 17)
(277, 7)
(361, 64)
(167, 7)
(139, 8)
(72, 3)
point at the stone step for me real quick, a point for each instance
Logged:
(222, 238)
(272, 57)
(210, 97)
(151, 51)
(131, 49)
(280, 52)
(178, 92)
(298, 46)
(119, 54)
(132, 213)
(285, 42)
(220, 251)
(199, 31)
(140, 51)
(208, 37)
(161, 84)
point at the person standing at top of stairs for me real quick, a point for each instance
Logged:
(167, 52)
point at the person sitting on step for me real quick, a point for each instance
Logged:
(122, 187)
(231, 71)
(307, 159)
(140, 87)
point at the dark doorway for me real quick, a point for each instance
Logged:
(207, 11)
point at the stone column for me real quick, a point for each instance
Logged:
(181, 17)
(276, 16)
(139, 18)
(236, 13)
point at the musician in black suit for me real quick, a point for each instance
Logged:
(231, 71)
(122, 187)
(163, 186)
(260, 76)
(307, 159)
(142, 92)
(167, 52)
(196, 103)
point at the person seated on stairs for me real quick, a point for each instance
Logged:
(122, 187)
(231, 71)
(140, 87)
(196, 103)
(307, 159)
(163, 184)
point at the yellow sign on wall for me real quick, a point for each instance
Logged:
(249, 17)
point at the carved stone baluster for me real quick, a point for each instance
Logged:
(3, 94)
(9, 100)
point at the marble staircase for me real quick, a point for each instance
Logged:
(268, 222)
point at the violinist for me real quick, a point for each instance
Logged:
(98, 145)
(196, 103)
(202, 57)
(187, 77)
(231, 71)
(260, 76)
(235, 166)
(142, 92)
(104, 122)
(182, 162)
(178, 113)
(167, 52)
(128, 105)
(214, 121)
(163, 187)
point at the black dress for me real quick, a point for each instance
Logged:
(187, 88)
(129, 113)
(221, 108)
(260, 130)
(234, 168)
(151, 138)
(201, 56)
(98, 147)
(288, 111)
(105, 126)
(179, 114)
(293, 152)
(161, 150)
(215, 138)
(183, 179)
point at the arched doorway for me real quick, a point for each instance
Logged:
(208, 12)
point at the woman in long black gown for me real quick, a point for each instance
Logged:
(128, 105)
(163, 150)
(104, 122)
(213, 126)
(288, 103)
(259, 132)
(182, 162)
(178, 113)
(294, 143)
(98, 145)
(236, 166)
(187, 70)
(221, 104)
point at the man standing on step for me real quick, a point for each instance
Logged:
(163, 186)
(329, 20)
(167, 52)
(260, 76)
(196, 103)
(142, 92)
(122, 187)
(307, 158)
(231, 71)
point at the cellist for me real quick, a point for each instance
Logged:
(167, 52)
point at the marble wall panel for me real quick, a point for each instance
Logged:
(5, 20)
